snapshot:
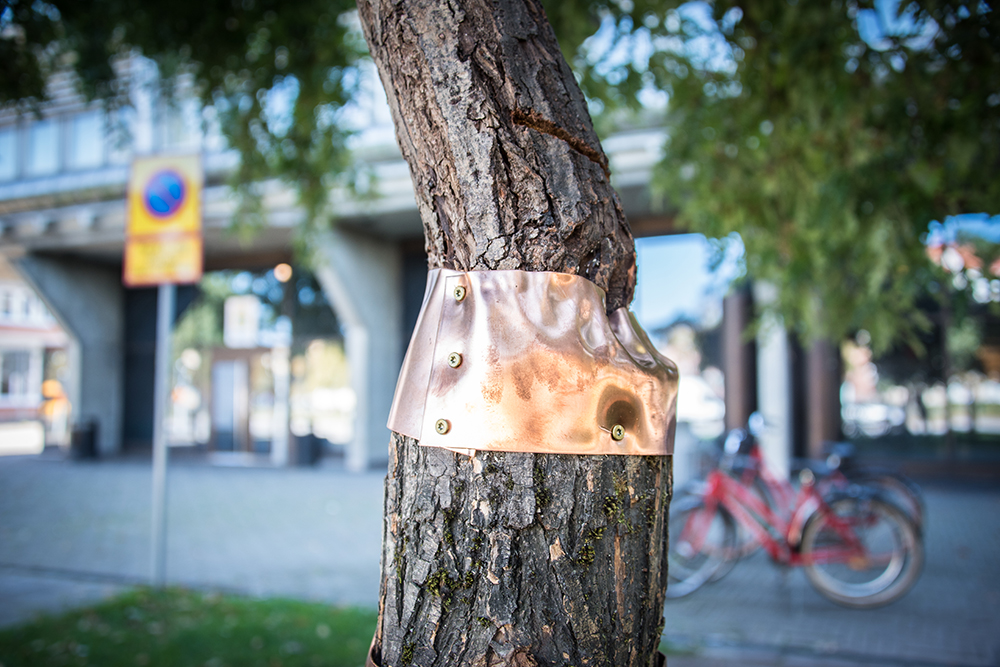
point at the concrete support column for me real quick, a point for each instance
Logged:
(774, 384)
(281, 371)
(822, 396)
(361, 276)
(87, 299)
(738, 359)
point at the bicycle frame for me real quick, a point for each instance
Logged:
(777, 535)
(783, 493)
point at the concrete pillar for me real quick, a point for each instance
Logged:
(361, 276)
(87, 299)
(738, 359)
(280, 370)
(774, 384)
(822, 396)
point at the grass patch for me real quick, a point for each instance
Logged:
(669, 648)
(179, 628)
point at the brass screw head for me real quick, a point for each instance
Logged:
(454, 360)
(442, 426)
(459, 292)
(617, 432)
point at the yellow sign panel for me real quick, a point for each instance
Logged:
(163, 227)
(162, 260)
(164, 195)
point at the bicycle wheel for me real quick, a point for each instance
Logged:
(882, 571)
(700, 543)
(896, 489)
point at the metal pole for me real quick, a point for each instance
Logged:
(164, 321)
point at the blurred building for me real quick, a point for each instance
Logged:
(30, 342)
(63, 176)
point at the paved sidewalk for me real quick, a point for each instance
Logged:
(72, 533)
(769, 615)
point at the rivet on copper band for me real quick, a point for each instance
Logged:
(442, 426)
(617, 432)
(454, 360)
(459, 293)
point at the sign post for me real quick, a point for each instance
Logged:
(165, 299)
(163, 246)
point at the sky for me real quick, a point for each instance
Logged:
(974, 224)
(675, 279)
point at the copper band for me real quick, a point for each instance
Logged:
(523, 361)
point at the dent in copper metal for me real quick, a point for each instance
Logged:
(543, 369)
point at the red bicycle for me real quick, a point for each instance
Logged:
(858, 549)
(838, 473)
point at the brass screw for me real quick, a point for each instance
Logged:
(454, 360)
(617, 432)
(459, 293)
(442, 426)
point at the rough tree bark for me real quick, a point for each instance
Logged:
(507, 558)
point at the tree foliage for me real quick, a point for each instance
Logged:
(827, 134)
(276, 75)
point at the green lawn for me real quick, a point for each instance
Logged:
(178, 628)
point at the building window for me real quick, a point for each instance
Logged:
(121, 126)
(86, 149)
(43, 148)
(36, 310)
(8, 153)
(14, 370)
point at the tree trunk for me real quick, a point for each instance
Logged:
(510, 558)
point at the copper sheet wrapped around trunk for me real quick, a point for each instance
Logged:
(521, 361)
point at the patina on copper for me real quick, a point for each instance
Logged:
(522, 361)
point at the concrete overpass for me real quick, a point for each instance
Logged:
(62, 222)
